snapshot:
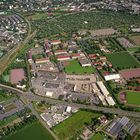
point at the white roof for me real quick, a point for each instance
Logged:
(110, 100)
(112, 77)
(49, 93)
(103, 88)
(135, 29)
(68, 109)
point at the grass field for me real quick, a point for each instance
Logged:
(74, 125)
(134, 49)
(76, 68)
(122, 60)
(38, 16)
(133, 97)
(138, 137)
(98, 136)
(34, 132)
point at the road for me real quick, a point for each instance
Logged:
(32, 97)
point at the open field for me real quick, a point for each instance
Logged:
(75, 68)
(133, 97)
(98, 136)
(74, 125)
(122, 60)
(136, 40)
(38, 16)
(34, 132)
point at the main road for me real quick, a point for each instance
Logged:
(29, 97)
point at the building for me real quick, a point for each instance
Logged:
(55, 42)
(112, 77)
(42, 60)
(110, 101)
(92, 56)
(63, 57)
(117, 125)
(85, 63)
(103, 88)
(75, 55)
(58, 52)
(68, 109)
(16, 76)
(29, 57)
(49, 94)
(135, 29)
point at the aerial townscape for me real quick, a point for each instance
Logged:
(69, 69)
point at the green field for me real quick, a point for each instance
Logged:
(74, 125)
(75, 68)
(34, 132)
(134, 49)
(122, 60)
(38, 16)
(133, 97)
(138, 137)
(98, 136)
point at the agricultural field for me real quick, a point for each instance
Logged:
(75, 68)
(133, 97)
(122, 60)
(135, 40)
(74, 125)
(33, 132)
(98, 136)
(69, 23)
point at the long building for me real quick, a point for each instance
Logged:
(103, 88)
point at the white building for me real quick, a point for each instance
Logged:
(68, 109)
(49, 94)
(112, 77)
(103, 88)
(110, 101)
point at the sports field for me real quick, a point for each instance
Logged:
(133, 97)
(74, 125)
(98, 136)
(122, 60)
(75, 68)
(34, 132)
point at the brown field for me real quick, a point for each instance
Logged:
(136, 40)
(9, 107)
